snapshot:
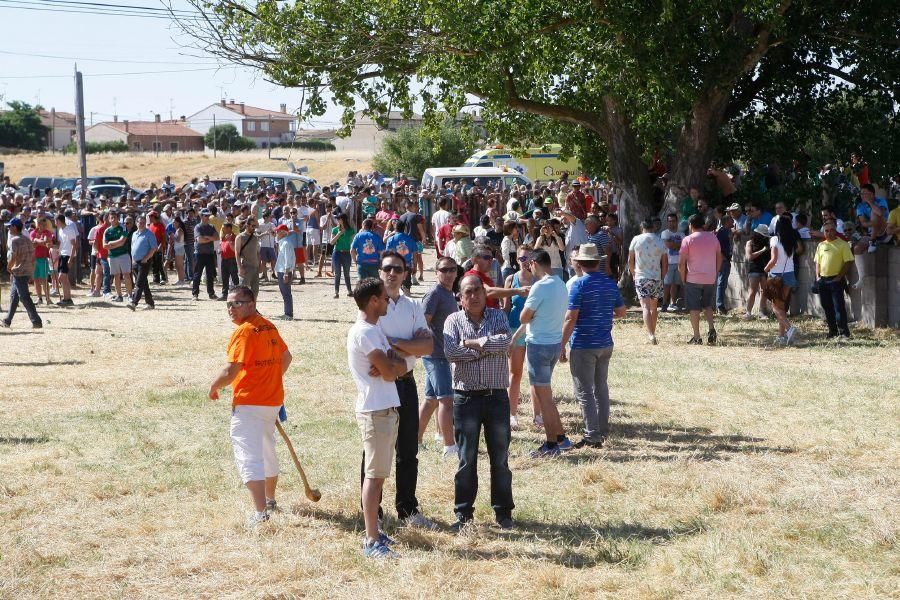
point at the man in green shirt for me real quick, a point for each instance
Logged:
(342, 238)
(115, 239)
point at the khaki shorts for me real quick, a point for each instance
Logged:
(378, 430)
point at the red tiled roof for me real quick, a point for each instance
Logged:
(152, 128)
(257, 113)
(62, 118)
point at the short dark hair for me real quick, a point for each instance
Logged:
(697, 221)
(867, 186)
(392, 254)
(446, 259)
(365, 290)
(242, 291)
(647, 224)
(509, 227)
(802, 219)
(368, 224)
(541, 257)
(400, 227)
(672, 215)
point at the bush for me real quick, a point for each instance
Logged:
(414, 149)
(226, 138)
(99, 147)
(315, 145)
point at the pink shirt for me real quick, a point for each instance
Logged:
(698, 252)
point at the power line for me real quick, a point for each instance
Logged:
(115, 74)
(104, 60)
(37, 5)
(127, 6)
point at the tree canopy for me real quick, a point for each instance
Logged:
(21, 127)
(414, 149)
(631, 76)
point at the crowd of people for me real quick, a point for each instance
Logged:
(536, 283)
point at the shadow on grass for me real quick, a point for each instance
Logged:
(24, 439)
(573, 544)
(46, 363)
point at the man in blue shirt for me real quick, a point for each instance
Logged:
(593, 301)
(757, 216)
(405, 246)
(143, 247)
(542, 316)
(365, 249)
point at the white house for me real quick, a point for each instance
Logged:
(61, 126)
(261, 125)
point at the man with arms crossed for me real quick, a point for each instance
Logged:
(374, 368)
(476, 341)
(407, 331)
(115, 239)
(257, 361)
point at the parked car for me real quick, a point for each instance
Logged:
(112, 192)
(106, 180)
(64, 184)
(289, 182)
(28, 184)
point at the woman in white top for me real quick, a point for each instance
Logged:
(550, 241)
(782, 280)
(508, 247)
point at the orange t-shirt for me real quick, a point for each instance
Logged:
(258, 346)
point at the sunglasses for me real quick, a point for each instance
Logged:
(447, 270)
(393, 269)
(237, 303)
(524, 259)
(485, 256)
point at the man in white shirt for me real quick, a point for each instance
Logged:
(407, 331)
(267, 255)
(441, 217)
(67, 234)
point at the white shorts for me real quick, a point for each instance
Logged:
(313, 237)
(120, 265)
(253, 440)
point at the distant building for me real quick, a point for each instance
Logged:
(261, 125)
(165, 136)
(367, 135)
(61, 126)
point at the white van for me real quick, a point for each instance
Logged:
(289, 182)
(497, 178)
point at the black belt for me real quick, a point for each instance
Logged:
(406, 376)
(486, 392)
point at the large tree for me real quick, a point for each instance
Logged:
(21, 127)
(628, 75)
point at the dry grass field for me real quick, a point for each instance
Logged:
(741, 470)
(143, 168)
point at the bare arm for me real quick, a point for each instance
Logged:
(286, 359)
(224, 379)
(568, 328)
(386, 367)
(421, 344)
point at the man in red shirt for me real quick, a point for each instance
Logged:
(158, 228)
(575, 201)
(481, 265)
(445, 234)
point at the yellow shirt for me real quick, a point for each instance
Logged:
(217, 222)
(894, 219)
(831, 256)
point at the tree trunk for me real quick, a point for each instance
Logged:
(695, 148)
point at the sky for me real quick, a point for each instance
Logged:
(107, 46)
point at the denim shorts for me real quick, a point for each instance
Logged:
(541, 359)
(699, 296)
(789, 278)
(438, 379)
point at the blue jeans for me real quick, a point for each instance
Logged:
(340, 261)
(364, 271)
(541, 358)
(471, 410)
(107, 277)
(722, 284)
(189, 261)
(285, 288)
(19, 291)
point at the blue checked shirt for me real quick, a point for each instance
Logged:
(483, 369)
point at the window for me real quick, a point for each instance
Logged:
(251, 125)
(173, 146)
(264, 126)
(157, 146)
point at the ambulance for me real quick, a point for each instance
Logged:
(536, 163)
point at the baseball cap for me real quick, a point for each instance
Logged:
(205, 212)
(282, 227)
(15, 222)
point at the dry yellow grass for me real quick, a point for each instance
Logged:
(143, 168)
(735, 471)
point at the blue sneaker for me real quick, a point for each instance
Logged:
(378, 550)
(564, 445)
(545, 452)
(384, 539)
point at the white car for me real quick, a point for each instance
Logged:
(282, 180)
(493, 177)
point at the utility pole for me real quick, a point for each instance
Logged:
(269, 135)
(79, 126)
(157, 134)
(214, 135)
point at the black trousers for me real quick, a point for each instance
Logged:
(229, 274)
(407, 449)
(142, 286)
(205, 262)
(159, 271)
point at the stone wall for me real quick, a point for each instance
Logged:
(875, 304)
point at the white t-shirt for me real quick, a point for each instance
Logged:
(784, 263)
(648, 250)
(439, 219)
(507, 247)
(403, 319)
(373, 393)
(265, 231)
(67, 236)
(92, 236)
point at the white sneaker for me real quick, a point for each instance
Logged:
(438, 437)
(747, 317)
(652, 340)
(789, 335)
(419, 521)
(513, 423)
(452, 451)
(257, 518)
(779, 340)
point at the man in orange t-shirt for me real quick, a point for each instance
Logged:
(257, 361)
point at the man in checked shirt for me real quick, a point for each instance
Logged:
(476, 340)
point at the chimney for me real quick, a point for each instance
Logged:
(231, 101)
(284, 108)
(157, 118)
(222, 101)
(242, 108)
(183, 119)
(126, 125)
(115, 118)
